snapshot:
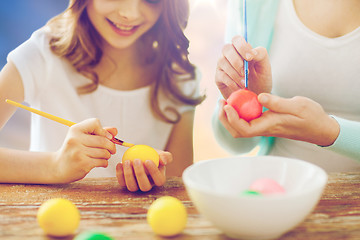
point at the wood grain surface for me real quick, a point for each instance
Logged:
(105, 207)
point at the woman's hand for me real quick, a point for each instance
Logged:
(229, 75)
(136, 175)
(297, 118)
(87, 145)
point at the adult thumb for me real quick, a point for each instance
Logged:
(276, 103)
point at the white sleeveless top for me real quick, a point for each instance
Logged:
(326, 70)
(50, 86)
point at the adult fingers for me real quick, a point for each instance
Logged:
(225, 83)
(225, 114)
(243, 48)
(232, 63)
(259, 54)
(292, 106)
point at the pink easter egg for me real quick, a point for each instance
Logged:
(267, 186)
(246, 104)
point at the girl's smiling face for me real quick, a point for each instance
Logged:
(121, 22)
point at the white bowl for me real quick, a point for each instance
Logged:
(215, 187)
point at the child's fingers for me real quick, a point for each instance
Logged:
(93, 126)
(129, 176)
(157, 174)
(97, 153)
(165, 157)
(113, 131)
(99, 163)
(94, 141)
(120, 175)
(141, 176)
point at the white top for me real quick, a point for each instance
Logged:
(50, 86)
(323, 69)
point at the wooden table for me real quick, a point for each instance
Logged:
(122, 214)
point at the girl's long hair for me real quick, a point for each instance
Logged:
(74, 38)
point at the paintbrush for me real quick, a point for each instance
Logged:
(246, 64)
(61, 120)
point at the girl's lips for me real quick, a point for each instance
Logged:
(123, 30)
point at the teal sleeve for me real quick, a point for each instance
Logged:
(261, 18)
(348, 141)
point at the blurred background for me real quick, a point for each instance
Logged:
(19, 18)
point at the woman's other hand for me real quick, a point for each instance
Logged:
(297, 118)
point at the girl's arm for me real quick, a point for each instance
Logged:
(87, 145)
(19, 166)
(180, 144)
(11, 87)
(26, 167)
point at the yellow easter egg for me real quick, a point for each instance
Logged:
(58, 217)
(167, 216)
(142, 152)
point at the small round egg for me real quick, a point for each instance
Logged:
(58, 217)
(246, 104)
(251, 193)
(167, 216)
(267, 186)
(93, 236)
(142, 152)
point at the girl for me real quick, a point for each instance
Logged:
(102, 63)
(315, 53)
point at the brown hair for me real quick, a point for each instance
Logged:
(76, 39)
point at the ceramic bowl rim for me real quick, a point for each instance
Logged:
(313, 188)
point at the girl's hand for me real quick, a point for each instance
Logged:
(297, 118)
(229, 75)
(133, 175)
(87, 145)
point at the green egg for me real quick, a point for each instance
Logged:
(93, 236)
(250, 193)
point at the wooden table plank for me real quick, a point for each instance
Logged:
(104, 206)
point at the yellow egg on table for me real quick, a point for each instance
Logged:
(142, 152)
(167, 216)
(58, 217)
